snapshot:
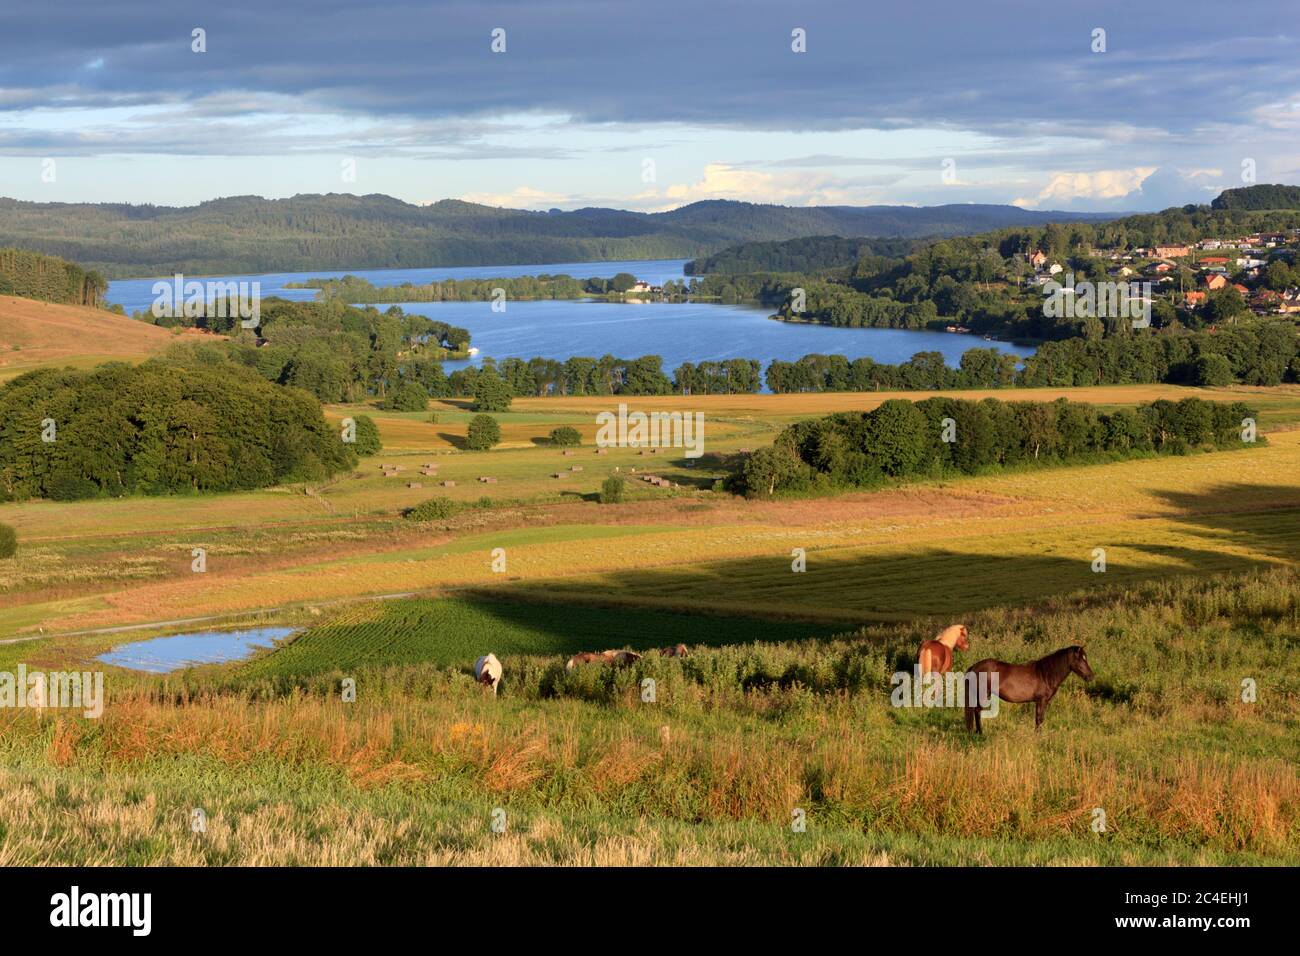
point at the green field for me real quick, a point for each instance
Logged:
(736, 740)
(782, 705)
(452, 632)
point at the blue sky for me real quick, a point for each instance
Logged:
(649, 105)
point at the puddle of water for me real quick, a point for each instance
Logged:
(162, 655)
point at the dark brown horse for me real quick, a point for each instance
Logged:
(1021, 683)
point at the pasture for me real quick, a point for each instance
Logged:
(737, 739)
(783, 704)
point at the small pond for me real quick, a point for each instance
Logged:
(162, 655)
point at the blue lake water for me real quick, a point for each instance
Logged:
(136, 295)
(161, 655)
(680, 332)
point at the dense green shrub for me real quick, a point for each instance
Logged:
(612, 489)
(367, 436)
(407, 397)
(8, 541)
(491, 393)
(1211, 369)
(435, 509)
(483, 433)
(566, 436)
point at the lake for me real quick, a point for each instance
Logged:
(162, 655)
(560, 329)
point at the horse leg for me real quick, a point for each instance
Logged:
(1040, 710)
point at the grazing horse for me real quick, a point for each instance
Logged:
(487, 671)
(617, 658)
(936, 655)
(1021, 683)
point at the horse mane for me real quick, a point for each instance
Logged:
(1055, 664)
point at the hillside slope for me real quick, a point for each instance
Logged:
(248, 234)
(41, 333)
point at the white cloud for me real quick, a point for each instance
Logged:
(1100, 184)
(721, 181)
(521, 197)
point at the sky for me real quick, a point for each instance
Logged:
(538, 104)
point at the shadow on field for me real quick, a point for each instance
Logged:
(762, 599)
(1264, 518)
(456, 441)
(858, 587)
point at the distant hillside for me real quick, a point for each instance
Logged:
(35, 276)
(809, 254)
(41, 333)
(1263, 196)
(338, 231)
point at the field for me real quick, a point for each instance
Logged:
(782, 705)
(738, 741)
(43, 333)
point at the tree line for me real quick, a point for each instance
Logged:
(31, 275)
(355, 290)
(1266, 353)
(159, 428)
(945, 436)
(1253, 354)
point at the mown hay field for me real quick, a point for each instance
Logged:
(925, 548)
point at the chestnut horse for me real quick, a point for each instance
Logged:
(1021, 683)
(936, 655)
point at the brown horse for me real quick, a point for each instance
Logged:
(936, 655)
(1021, 683)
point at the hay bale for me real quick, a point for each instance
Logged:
(449, 484)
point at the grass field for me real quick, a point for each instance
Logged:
(736, 740)
(34, 334)
(783, 703)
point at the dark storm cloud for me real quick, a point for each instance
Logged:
(1000, 68)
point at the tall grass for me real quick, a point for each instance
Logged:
(737, 739)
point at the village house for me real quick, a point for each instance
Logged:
(1171, 252)
(1215, 280)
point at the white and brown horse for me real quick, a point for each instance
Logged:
(936, 655)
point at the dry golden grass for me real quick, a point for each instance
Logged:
(823, 403)
(41, 333)
(1155, 517)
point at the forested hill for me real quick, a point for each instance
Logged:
(248, 234)
(1263, 196)
(31, 275)
(811, 254)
